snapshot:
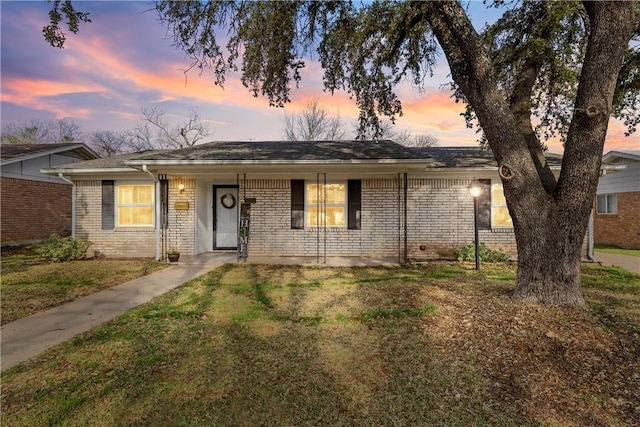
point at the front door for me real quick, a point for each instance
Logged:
(225, 217)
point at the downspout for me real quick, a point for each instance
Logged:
(157, 212)
(73, 202)
(590, 239)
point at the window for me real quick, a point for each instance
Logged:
(607, 204)
(333, 213)
(499, 212)
(492, 206)
(342, 208)
(135, 205)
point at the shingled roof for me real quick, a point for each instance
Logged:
(469, 157)
(112, 162)
(289, 151)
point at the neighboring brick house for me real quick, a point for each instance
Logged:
(349, 198)
(35, 205)
(617, 206)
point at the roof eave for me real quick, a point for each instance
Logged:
(138, 162)
(91, 171)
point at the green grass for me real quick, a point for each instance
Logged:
(438, 344)
(30, 284)
(610, 249)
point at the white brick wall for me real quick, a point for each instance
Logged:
(119, 242)
(440, 218)
(181, 233)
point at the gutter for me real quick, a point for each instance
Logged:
(157, 212)
(73, 202)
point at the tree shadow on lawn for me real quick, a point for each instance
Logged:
(254, 345)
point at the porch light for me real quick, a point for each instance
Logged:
(475, 190)
(181, 187)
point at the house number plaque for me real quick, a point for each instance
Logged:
(181, 206)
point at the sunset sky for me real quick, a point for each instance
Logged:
(123, 61)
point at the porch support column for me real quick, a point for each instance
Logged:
(241, 183)
(321, 215)
(403, 243)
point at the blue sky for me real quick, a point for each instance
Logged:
(123, 61)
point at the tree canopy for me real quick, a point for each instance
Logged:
(545, 68)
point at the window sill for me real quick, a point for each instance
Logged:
(135, 229)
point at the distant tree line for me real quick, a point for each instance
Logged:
(155, 132)
(313, 122)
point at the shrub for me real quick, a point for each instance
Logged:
(60, 249)
(468, 253)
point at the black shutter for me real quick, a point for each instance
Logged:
(354, 191)
(164, 204)
(297, 204)
(484, 205)
(108, 205)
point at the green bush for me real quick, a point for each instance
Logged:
(60, 249)
(468, 253)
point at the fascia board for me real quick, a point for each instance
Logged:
(94, 171)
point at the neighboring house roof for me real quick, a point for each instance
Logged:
(11, 153)
(620, 172)
(621, 156)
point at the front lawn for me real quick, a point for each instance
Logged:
(30, 284)
(433, 345)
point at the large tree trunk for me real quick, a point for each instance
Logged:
(549, 244)
(550, 221)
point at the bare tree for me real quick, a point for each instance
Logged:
(313, 123)
(108, 143)
(185, 134)
(420, 140)
(384, 131)
(140, 138)
(36, 131)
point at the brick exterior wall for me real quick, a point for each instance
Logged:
(119, 242)
(440, 219)
(181, 233)
(33, 210)
(621, 229)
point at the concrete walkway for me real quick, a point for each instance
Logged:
(30, 336)
(628, 262)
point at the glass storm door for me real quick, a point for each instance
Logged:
(225, 217)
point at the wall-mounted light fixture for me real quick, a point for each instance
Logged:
(181, 187)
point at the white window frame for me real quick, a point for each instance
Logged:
(344, 206)
(151, 205)
(607, 197)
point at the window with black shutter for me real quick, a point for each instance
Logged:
(108, 205)
(354, 190)
(297, 204)
(484, 205)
